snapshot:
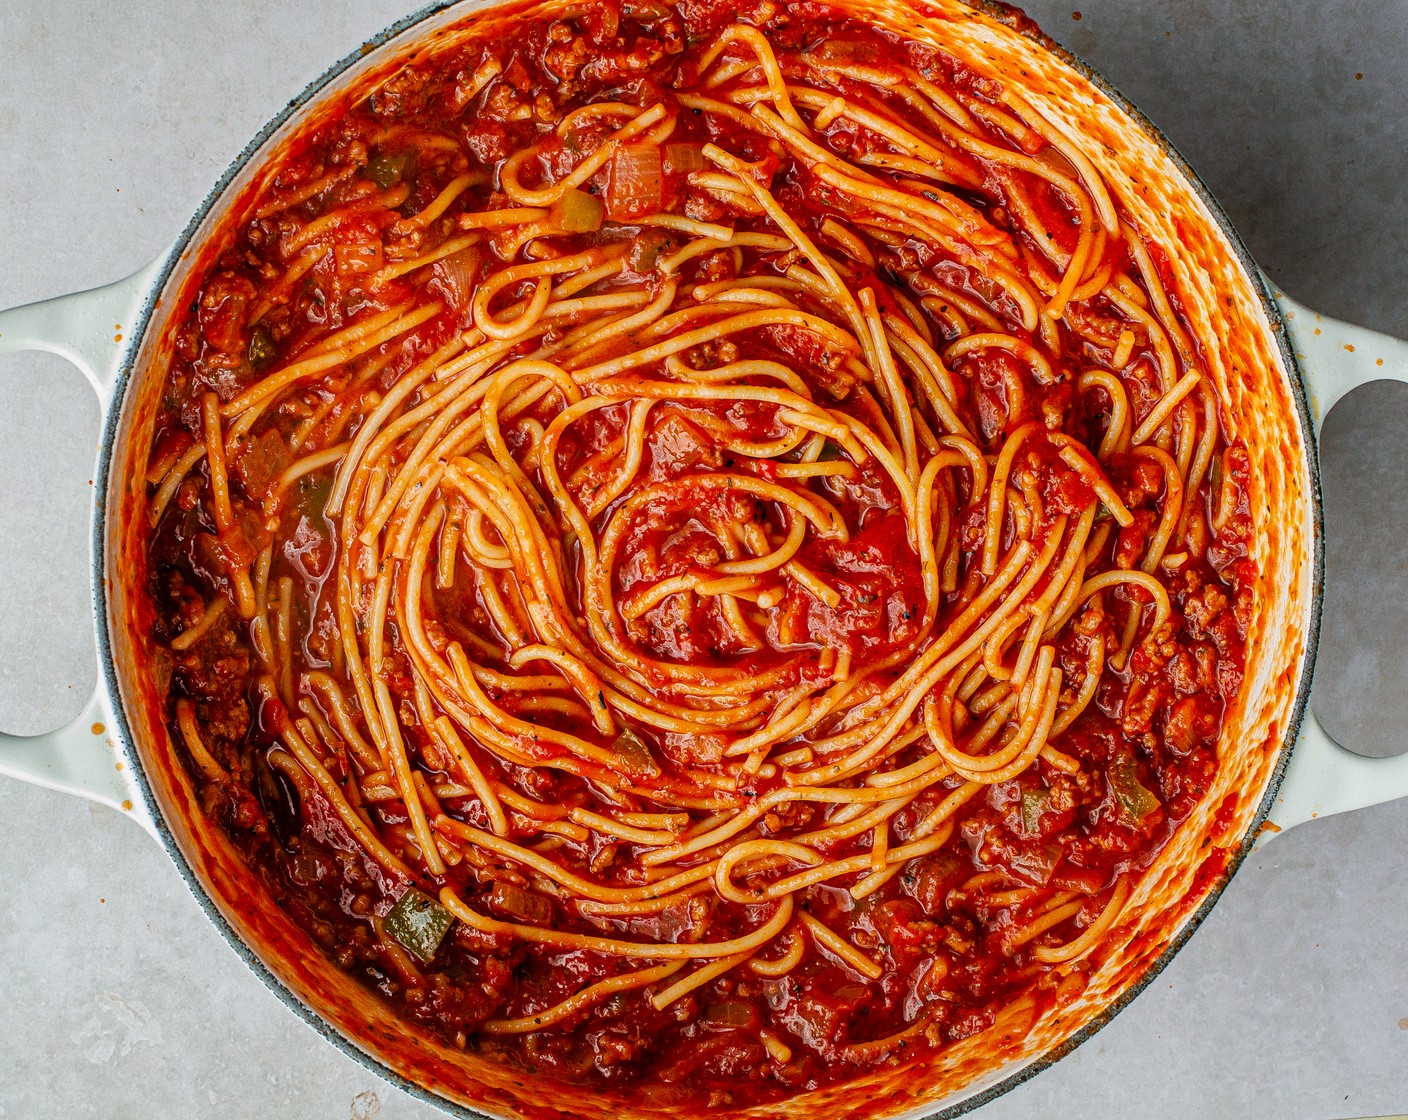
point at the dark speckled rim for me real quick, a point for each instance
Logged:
(1003, 14)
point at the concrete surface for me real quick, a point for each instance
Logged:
(118, 999)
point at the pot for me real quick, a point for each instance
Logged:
(1279, 768)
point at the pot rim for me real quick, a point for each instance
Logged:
(1019, 24)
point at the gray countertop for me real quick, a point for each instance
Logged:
(119, 999)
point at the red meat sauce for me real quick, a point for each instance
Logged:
(941, 947)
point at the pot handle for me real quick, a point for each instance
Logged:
(1323, 778)
(91, 329)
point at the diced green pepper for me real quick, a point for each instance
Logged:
(261, 350)
(579, 212)
(644, 10)
(646, 250)
(314, 490)
(418, 923)
(635, 754)
(1034, 804)
(525, 906)
(830, 452)
(1133, 797)
(386, 171)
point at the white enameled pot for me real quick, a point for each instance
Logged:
(1283, 768)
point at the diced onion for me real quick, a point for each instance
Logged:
(458, 275)
(680, 159)
(634, 188)
(734, 1013)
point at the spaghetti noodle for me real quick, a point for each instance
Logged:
(721, 513)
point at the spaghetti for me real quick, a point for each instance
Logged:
(720, 514)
